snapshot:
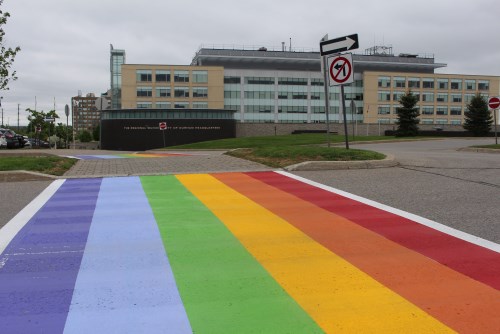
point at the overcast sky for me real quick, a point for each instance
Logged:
(65, 43)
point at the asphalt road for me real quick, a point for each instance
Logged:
(435, 180)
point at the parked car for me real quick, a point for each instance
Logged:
(3, 141)
(35, 142)
(13, 139)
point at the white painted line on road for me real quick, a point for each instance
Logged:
(421, 220)
(9, 231)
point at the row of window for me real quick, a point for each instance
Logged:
(197, 92)
(138, 114)
(430, 121)
(165, 76)
(268, 109)
(169, 105)
(285, 95)
(428, 97)
(431, 83)
(281, 81)
(424, 110)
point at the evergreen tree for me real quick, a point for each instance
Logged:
(407, 116)
(478, 119)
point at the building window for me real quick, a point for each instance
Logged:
(292, 81)
(396, 96)
(181, 76)
(468, 97)
(162, 91)
(144, 75)
(413, 83)
(162, 76)
(427, 121)
(384, 82)
(259, 81)
(317, 109)
(384, 96)
(470, 84)
(456, 84)
(442, 83)
(384, 110)
(455, 111)
(181, 105)
(181, 91)
(200, 92)
(442, 98)
(455, 122)
(259, 108)
(456, 98)
(292, 109)
(162, 105)
(200, 105)
(229, 94)
(427, 110)
(262, 95)
(442, 110)
(441, 121)
(427, 97)
(200, 76)
(428, 83)
(144, 92)
(232, 80)
(317, 82)
(317, 96)
(399, 82)
(483, 85)
(144, 105)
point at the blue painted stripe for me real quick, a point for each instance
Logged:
(39, 267)
(98, 157)
(125, 284)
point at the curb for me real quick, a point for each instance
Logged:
(23, 175)
(479, 150)
(342, 165)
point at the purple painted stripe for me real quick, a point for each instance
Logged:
(38, 269)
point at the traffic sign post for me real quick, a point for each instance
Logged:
(494, 104)
(163, 127)
(338, 70)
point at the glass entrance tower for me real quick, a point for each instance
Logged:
(117, 58)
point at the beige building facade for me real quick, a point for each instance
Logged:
(442, 98)
(172, 87)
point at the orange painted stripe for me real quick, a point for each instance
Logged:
(458, 301)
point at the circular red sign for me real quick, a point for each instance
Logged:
(163, 125)
(340, 70)
(494, 102)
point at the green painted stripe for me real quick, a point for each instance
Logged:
(223, 288)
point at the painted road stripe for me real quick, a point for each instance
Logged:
(338, 296)
(223, 288)
(42, 261)
(404, 271)
(125, 283)
(471, 256)
(9, 231)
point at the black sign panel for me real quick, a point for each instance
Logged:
(338, 45)
(145, 134)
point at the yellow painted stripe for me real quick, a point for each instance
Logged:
(337, 295)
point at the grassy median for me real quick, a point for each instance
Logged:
(52, 165)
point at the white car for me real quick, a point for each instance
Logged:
(3, 141)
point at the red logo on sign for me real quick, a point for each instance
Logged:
(494, 102)
(163, 125)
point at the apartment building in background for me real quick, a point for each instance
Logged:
(86, 114)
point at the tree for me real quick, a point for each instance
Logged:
(85, 136)
(478, 118)
(7, 55)
(96, 132)
(37, 119)
(407, 115)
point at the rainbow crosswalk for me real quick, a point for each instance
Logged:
(259, 252)
(129, 155)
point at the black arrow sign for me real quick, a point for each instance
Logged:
(338, 45)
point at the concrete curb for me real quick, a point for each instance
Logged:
(23, 175)
(339, 165)
(479, 150)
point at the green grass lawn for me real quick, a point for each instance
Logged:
(286, 150)
(44, 164)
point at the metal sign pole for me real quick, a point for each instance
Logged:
(345, 117)
(327, 99)
(495, 117)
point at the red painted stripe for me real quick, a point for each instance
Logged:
(469, 259)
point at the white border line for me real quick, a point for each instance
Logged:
(423, 221)
(9, 231)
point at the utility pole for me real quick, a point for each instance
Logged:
(18, 117)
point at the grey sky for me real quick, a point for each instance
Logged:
(65, 43)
